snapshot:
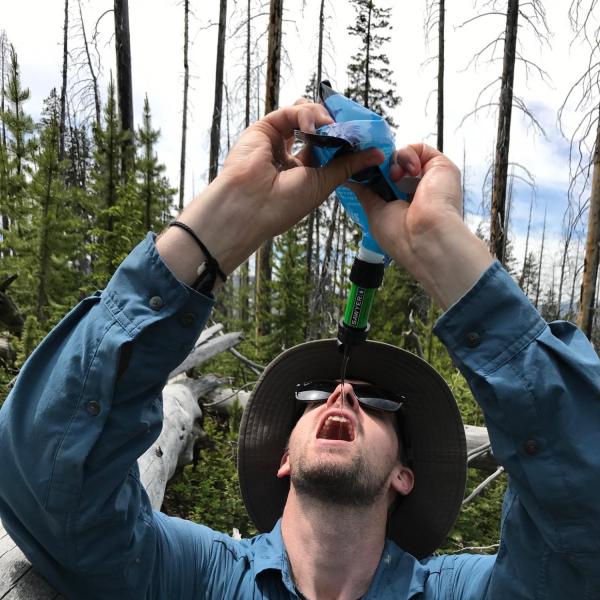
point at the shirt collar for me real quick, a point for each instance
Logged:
(399, 574)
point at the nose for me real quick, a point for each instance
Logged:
(345, 397)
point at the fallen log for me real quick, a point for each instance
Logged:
(207, 350)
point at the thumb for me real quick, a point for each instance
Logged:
(342, 168)
(371, 202)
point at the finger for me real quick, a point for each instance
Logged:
(341, 169)
(301, 101)
(370, 201)
(306, 156)
(405, 161)
(285, 120)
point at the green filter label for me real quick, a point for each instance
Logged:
(358, 306)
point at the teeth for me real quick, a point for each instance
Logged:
(338, 419)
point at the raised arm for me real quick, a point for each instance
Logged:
(87, 403)
(538, 385)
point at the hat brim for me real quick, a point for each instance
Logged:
(422, 520)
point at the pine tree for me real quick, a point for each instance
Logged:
(105, 186)
(289, 310)
(56, 227)
(370, 77)
(15, 160)
(155, 191)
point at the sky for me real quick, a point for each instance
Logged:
(35, 29)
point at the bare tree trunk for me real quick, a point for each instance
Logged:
(440, 90)
(2, 83)
(320, 288)
(539, 276)
(63, 92)
(574, 280)
(497, 233)
(124, 84)
(590, 264)
(368, 57)
(91, 68)
(215, 131)
(263, 278)
(506, 224)
(245, 269)
(522, 277)
(186, 82)
(320, 50)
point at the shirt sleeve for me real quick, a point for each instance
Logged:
(539, 387)
(86, 405)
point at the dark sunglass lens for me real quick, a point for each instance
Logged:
(384, 404)
(314, 391)
(377, 398)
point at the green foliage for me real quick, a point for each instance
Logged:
(370, 78)
(154, 189)
(65, 226)
(208, 492)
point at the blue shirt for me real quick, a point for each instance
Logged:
(88, 403)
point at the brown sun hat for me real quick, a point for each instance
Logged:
(435, 434)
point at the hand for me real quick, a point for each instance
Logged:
(428, 236)
(263, 189)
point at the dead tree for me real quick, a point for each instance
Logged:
(186, 83)
(584, 155)
(497, 232)
(534, 16)
(82, 60)
(244, 291)
(63, 92)
(539, 275)
(124, 85)
(215, 131)
(263, 258)
(436, 16)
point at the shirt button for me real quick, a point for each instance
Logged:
(93, 408)
(531, 447)
(187, 320)
(156, 303)
(472, 339)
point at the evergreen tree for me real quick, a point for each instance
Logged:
(289, 310)
(370, 77)
(105, 185)
(155, 192)
(15, 156)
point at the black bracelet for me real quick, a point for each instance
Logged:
(208, 271)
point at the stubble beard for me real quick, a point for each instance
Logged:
(349, 484)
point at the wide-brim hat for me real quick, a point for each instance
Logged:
(435, 433)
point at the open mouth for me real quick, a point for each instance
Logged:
(336, 427)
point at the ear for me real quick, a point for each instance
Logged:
(403, 480)
(284, 466)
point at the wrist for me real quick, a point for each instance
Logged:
(449, 260)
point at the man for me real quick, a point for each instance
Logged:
(87, 405)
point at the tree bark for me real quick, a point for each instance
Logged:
(124, 84)
(186, 80)
(590, 265)
(440, 77)
(263, 273)
(497, 232)
(91, 68)
(215, 132)
(368, 57)
(244, 292)
(63, 91)
(539, 275)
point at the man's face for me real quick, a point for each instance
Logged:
(342, 454)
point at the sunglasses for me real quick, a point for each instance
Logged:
(368, 395)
